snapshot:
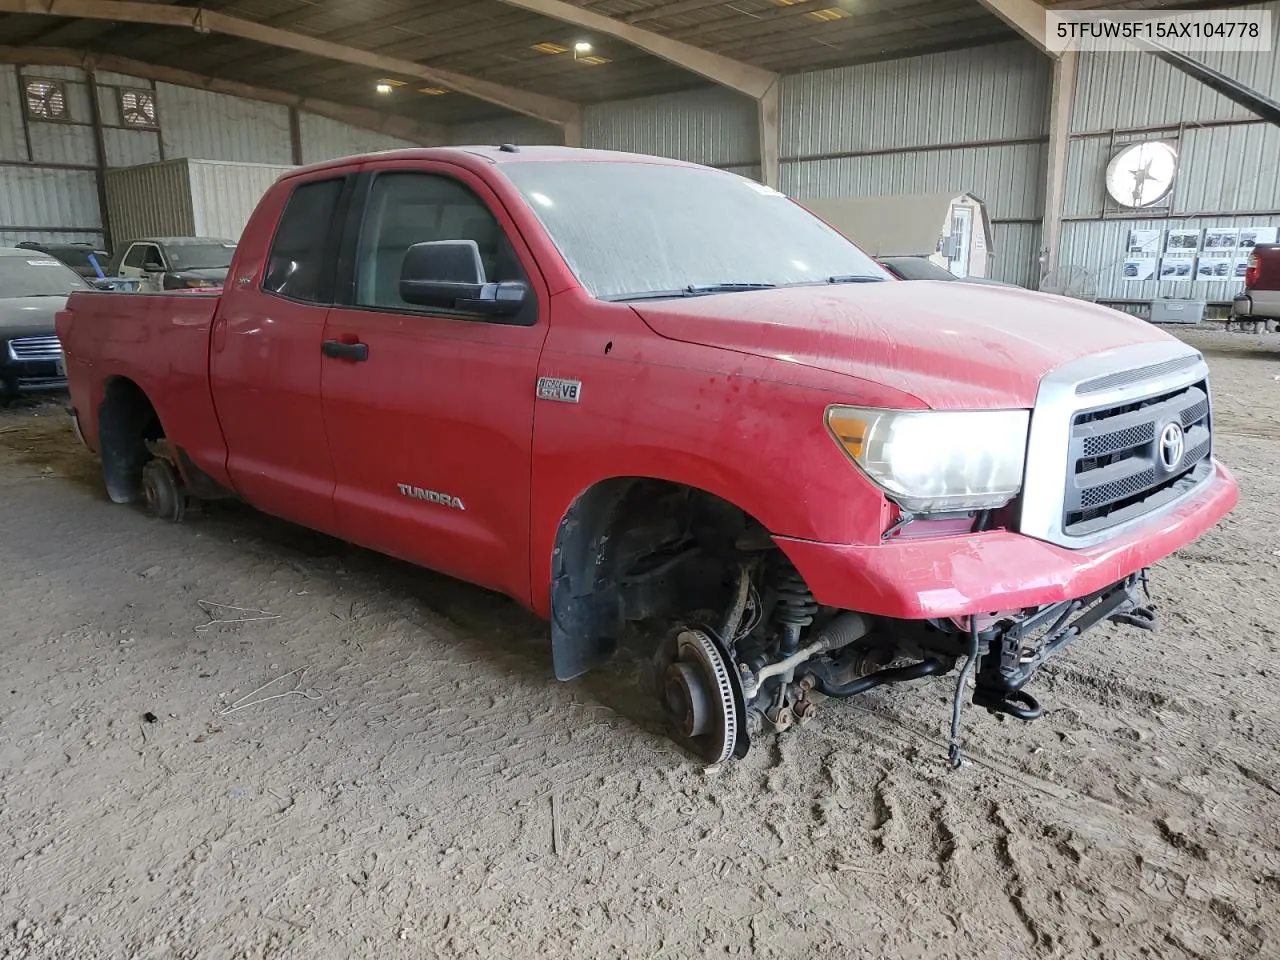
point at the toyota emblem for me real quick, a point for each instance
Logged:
(1173, 444)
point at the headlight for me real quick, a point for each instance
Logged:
(932, 461)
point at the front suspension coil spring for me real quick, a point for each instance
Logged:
(796, 607)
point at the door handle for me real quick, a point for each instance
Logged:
(355, 352)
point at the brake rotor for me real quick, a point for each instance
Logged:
(699, 697)
(162, 491)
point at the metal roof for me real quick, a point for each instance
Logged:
(497, 42)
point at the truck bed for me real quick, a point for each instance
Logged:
(160, 342)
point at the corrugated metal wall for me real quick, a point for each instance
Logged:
(984, 94)
(48, 188)
(325, 139)
(1009, 178)
(213, 126)
(972, 121)
(1228, 166)
(48, 170)
(713, 126)
(518, 130)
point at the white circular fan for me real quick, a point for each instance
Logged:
(1142, 174)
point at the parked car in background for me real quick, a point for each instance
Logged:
(85, 259)
(33, 288)
(1261, 297)
(175, 263)
(918, 268)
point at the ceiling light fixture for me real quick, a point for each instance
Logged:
(383, 87)
(549, 48)
(582, 47)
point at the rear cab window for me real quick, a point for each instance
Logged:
(296, 264)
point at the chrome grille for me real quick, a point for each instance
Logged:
(1115, 467)
(35, 348)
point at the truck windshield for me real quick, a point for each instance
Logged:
(635, 230)
(201, 256)
(37, 275)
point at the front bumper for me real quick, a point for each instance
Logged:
(31, 376)
(997, 571)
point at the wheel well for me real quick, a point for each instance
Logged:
(632, 548)
(127, 423)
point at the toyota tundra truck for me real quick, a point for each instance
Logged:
(648, 399)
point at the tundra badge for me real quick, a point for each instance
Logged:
(563, 391)
(430, 496)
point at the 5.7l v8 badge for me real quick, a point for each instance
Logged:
(562, 391)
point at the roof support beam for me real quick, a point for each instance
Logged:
(1025, 16)
(1061, 102)
(768, 117)
(759, 84)
(743, 77)
(395, 126)
(535, 105)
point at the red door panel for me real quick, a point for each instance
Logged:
(265, 359)
(432, 442)
(432, 433)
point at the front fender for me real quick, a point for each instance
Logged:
(800, 501)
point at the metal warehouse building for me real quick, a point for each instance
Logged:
(943, 96)
(779, 479)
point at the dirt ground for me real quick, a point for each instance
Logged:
(414, 783)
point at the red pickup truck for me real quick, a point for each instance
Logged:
(625, 389)
(1260, 300)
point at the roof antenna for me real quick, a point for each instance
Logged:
(509, 148)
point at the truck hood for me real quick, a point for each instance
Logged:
(32, 316)
(952, 345)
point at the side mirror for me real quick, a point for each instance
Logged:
(449, 274)
(152, 267)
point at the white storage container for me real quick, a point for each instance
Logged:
(1177, 311)
(185, 198)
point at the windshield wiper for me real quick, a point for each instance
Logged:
(692, 290)
(699, 289)
(855, 278)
